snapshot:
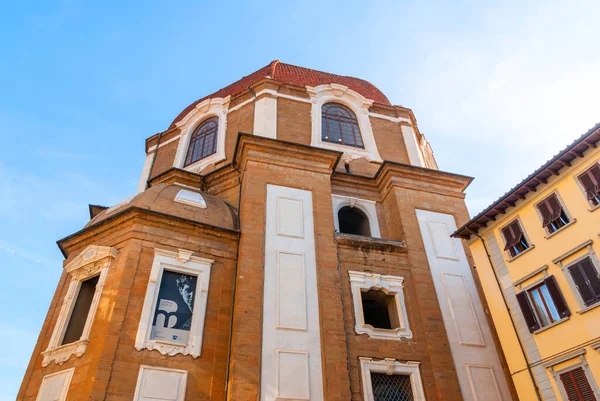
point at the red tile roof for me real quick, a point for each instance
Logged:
(294, 75)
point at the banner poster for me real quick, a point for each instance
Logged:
(174, 308)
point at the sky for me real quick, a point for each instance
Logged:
(497, 88)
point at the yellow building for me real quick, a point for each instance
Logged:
(537, 250)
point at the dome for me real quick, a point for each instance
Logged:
(293, 75)
(178, 201)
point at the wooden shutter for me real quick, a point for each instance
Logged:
(528, 314)
(557, 297)
(591, 275)
(577, 386)
(580, 278)
(546, 213)
(555, 206)
(512, 234)
(590, 180)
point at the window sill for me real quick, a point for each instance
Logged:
(351, 152)
(201, 164)
(521, 254)
(589, 308)
(384, 334)
(365, 243)
(62, 354)
(569, 224)
(564, 319)
(594, 208)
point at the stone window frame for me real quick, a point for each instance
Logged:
(336, 93)
(143, 368)
(510, 258)
(181, 261)
(360, 281)
(390, 366)
(214, 107)
(92, 261)
(368, 207)
(591, 206)
(66, 384)
(565, 269)
(579, 361)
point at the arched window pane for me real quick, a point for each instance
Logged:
(203, 142)
(340, 126)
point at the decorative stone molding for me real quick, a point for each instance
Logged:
(208, 108)
(321, 94)
(391, 285)
(93, 260)
(390, 366)
(181, 261)
(368, 207)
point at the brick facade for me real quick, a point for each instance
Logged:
(230, 363)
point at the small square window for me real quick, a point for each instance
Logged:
(391, 387)
(391, 380)
(514, 237)
(379, 308)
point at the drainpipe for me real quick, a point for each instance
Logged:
(235, 277)
(514, 326)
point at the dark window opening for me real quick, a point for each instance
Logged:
(391, 387)
(203, 142)
(81, 311)
(340, 126)
(379, 309)
(353, 221)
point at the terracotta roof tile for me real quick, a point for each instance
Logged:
(293, 75)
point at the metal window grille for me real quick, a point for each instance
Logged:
(391, 387)
(340, 126)
(203, 142)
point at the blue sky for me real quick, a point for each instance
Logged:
(497, 88)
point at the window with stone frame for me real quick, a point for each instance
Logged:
(391, 380)
(340, 126)
(203, 141)
(553, 214)
(86, 274)
(576, 385)
(543, 304)
(172, 320)
(515, 240)
(379, 308)
(586, 278)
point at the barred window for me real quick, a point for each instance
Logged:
(391, 387)
(340, 126)
(203, 142)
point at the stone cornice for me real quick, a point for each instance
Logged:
(282, 153)
(179, 176)
(392, 174)
(135, 214)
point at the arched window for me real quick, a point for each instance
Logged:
(203, 142)
(340, 126)
(353, 221)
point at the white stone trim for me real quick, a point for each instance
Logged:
(145, 173)
(389, 118)
(359, 104)
(144, 369)
(391, 285)
(218, 107)
(63, 391)
(368, 207)
(265, 117)
(182, 262)
(92, 261)
(412, 147)
(192, 198)
(390, 366)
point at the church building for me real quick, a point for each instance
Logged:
(289, 240)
